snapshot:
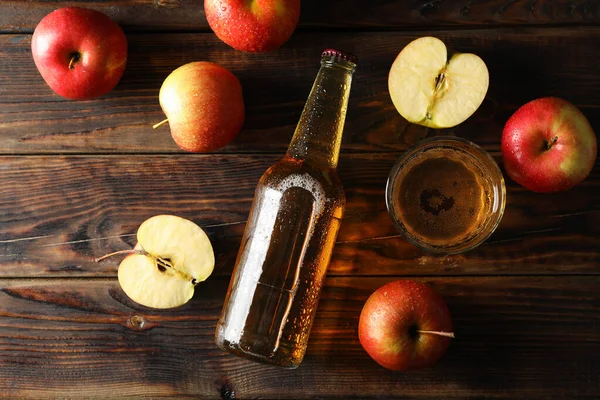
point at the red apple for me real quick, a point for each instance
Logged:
(80, 53)
(204, 106)
(548, 145)
(405, 325)
(253, 26)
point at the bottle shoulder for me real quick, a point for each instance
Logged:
(289, 172)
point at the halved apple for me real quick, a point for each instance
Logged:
(172, 255)
(429, 90)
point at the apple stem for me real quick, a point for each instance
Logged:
(439, 333)
(116, 253)
(74, 59)
(551, 142)
(164, 121)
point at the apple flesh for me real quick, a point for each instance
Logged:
(80, 53)
(204, 106)
(548, 145)
(253, 26)
(430, 90)
(405, 325)
(171, 257)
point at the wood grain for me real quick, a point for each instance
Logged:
(517, 338)
(188, 15)
(58, 213)
(78, 177)
(524, 64)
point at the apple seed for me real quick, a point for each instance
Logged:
(163, 263)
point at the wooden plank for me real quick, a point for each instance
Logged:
(58, 213)
(188, 15)
(142, 15)
(517, 338)
(524, 64)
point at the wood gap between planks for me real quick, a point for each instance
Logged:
(110, 278)
(357, 29)
(199, 155)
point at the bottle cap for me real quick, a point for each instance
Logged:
(343, 55)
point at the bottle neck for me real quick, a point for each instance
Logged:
(318, 135)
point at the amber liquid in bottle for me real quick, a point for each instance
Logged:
(291, 231)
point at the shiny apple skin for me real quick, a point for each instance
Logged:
(389, 321)
(253, 26)
(99, 43)
(204, 104)
(548, 145)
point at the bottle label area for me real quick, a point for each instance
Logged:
(270, 267)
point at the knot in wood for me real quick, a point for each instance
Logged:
(227, 392)
(137, 321)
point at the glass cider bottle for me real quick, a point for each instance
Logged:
(291, 231)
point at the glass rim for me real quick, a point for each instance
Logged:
(480, 154)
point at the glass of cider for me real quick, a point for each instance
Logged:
(446, 195)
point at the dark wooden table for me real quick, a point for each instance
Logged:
(78, 177)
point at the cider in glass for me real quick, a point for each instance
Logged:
(446, 195)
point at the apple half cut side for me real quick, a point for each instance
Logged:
(172, 255)
(430, 90)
